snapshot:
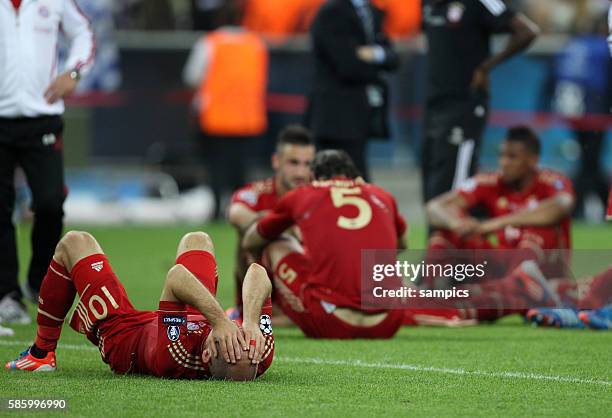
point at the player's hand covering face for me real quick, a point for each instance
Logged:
(230, 339)
(256, 341)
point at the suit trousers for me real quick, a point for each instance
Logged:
(34, 144)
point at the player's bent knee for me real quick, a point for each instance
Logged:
(196, 241)
(76, 245)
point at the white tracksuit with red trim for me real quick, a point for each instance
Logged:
(29, 53)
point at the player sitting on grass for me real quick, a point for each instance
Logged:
(528, 209)
(594, 310)
(291, 163)
(318, 283)
(189, 336)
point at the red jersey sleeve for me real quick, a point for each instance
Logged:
(557, 183)
(277, 221)
(477, 189)
(246, 196)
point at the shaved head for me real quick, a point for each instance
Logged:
(242, 371)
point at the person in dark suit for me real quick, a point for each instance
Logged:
(348, 103)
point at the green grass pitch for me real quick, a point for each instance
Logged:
(505, 369)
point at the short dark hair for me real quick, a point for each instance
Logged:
(294, 135)
(333, 163)
(526, 136)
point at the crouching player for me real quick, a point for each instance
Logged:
(318, 284)
(189, 336)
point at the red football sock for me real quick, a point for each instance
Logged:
(203, 266)
(56, 296)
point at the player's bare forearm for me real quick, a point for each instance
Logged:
(524, 32)
(444, 211)
(256, 289)
(241, 217)
(549, 212)
(182, 286)
(252, 241)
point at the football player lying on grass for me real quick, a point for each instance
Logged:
(189, 336)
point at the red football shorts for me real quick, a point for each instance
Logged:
(105, 314)
(315, 316)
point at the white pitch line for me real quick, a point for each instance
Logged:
(392, 366)
(443, 370)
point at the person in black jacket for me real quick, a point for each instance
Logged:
(459, 61)
(348, 103)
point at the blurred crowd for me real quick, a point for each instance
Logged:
(291, 17)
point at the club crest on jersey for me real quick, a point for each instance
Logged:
(455, 12)
(265, 324)
(98, 266)
(173, 332)
(43, 11)
(193, 326)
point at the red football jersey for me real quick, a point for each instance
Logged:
(338, 218)
(258, 196)
(489, 191)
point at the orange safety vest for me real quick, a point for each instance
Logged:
(402, 17)
(232, 93)
(272, 17)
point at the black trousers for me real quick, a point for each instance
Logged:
(226, 162)
(356, 149)
(452, 135)
(591, 176)
(34, 144)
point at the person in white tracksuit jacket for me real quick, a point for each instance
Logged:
(32, 85)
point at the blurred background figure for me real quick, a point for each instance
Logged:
(105, 73)
(280, 18)
(31, 126)
(457, 102)
(229, 69)
(402, 18)
(581, 87)
(349, 99)
(206, 14)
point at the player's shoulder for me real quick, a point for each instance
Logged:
(483, 179)
(252, 192)
(552, 178)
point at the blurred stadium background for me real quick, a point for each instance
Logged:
(130, 142)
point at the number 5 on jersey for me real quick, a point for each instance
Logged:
(343, 196)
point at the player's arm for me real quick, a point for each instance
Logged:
(182, 286)
(256, 289)
(550, 211)
(523, 32)
(241, 216)
(447, 212)
(270, 226)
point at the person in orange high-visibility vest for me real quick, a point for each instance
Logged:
(228, 68)
(402, 18)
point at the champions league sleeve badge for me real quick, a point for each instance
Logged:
(265, 324)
